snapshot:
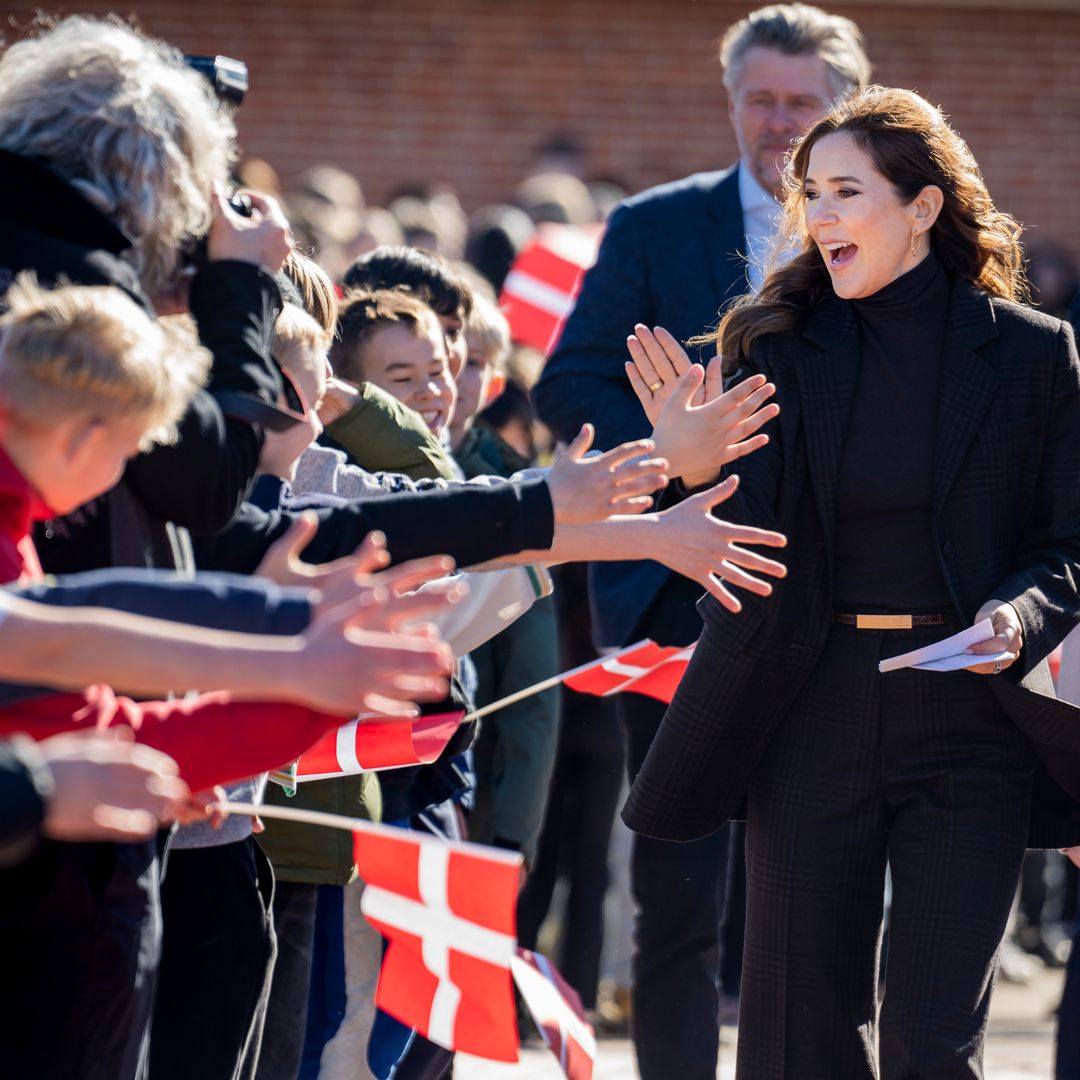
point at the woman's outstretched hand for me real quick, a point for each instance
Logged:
(1008, 636)
(698, 427)
(707, 550)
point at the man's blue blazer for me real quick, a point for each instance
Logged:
(672, 256)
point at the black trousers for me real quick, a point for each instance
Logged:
(216, 961)
(575, 838)
(679, 891)
(81, 932)
(1067, 1063)
(290, 985)
(919, 769)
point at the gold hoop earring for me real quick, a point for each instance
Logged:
(914, 245)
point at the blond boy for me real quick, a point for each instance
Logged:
(87, 381)
(483, 378)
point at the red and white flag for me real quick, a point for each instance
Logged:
(556, 1008)
(542, 286)
(644, 668)
(447, 912)
(368, 744)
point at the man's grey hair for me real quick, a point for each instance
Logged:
(124, 120)
(799, 30)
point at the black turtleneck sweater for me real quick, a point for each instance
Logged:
(885, 554)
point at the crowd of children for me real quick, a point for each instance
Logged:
(256, 482)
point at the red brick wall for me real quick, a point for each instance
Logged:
(463, 91)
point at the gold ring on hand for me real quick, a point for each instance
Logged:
(656, 386)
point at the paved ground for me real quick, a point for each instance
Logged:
(1019, 1047)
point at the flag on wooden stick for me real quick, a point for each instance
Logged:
(368, 744)
(645, 668)
(447, 912)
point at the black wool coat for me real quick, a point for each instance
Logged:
(1006, 505)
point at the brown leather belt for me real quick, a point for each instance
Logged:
(887, 622)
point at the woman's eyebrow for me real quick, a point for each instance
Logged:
(834, 180)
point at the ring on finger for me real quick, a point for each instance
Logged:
(656, 386)
(997, 667)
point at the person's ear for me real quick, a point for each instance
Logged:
(927, 206)
(496, 385)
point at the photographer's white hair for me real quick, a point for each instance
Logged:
(123, 119)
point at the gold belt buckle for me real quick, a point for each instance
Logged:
(883, 622)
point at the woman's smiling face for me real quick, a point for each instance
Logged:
(856, 218)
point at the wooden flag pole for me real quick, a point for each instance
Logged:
(349, 824)
(291, 813)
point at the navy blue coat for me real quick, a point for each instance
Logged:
(671, 256)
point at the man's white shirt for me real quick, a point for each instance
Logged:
(761, 216)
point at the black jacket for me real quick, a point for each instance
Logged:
(1006, 525)
(471, 523)
(48, 227)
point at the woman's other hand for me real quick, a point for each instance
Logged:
(707, 549)
(1008, 636)
(698, 427)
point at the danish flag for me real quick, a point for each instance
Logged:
(556, 1008)
(448, 915)
(540, 290)
(644, 668)
(368, 744)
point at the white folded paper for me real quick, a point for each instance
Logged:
(949, 654)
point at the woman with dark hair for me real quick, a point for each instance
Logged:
(926, 467)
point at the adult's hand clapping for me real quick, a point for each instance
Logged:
(698, 426)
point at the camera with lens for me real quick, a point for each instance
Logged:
(229, 80)
(197, 256)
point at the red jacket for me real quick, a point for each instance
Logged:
(213, 740)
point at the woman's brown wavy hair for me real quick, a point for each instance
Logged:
(911, 145)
